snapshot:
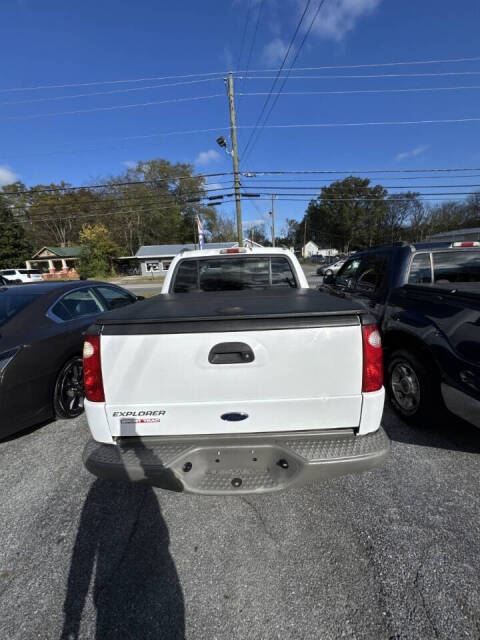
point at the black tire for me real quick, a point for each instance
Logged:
(413, 387)
(68, 395)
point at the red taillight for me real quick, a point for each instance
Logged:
(92, 371)
(372, 359)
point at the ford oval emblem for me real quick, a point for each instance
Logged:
(234, 417)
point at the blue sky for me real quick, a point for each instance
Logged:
(57, 42)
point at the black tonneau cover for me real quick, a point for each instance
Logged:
(231, 311)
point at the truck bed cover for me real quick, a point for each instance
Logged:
(268, 309)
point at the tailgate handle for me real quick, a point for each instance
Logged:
(231, 353)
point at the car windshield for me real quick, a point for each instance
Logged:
(233, 274)
(11, 304)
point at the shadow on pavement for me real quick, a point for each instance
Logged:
(449, 433)
(122, 544)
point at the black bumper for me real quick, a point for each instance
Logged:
(229, 464)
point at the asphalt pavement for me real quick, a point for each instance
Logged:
(389, 554)
(392, 553)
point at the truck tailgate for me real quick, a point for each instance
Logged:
(241, 362)
(305, 378)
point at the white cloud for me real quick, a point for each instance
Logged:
(206, 157)
(227, 58)
(212, 186)
(7, 176)
(413, 153)
(131, 164)
(253, 223)
(337, 17)
(275, 51)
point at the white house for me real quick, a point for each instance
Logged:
(313, 249)
(154, 260)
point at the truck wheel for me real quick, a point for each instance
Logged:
(413, 387)
(69, 395)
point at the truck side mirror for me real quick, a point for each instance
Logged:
(329, 279)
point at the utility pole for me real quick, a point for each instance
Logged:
(273, 219)
(304, 236)
(236, 180)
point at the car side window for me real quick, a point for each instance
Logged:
(420, 269)
(348, 273)
(115, 298)
(371, 274)
(77, 304)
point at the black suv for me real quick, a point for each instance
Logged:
(426, 299)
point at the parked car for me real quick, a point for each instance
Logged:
(426, 299)
(21, 276)
(41, 338)
(329, 269)
(215, 388)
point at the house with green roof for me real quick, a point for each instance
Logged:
(55, 260)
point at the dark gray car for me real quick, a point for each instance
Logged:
(41, 338)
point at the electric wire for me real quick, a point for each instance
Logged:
(267, 99)
(285, 78)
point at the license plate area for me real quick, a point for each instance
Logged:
(236, 469)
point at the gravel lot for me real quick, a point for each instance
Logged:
(393, 553)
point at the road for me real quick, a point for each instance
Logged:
(392, 553)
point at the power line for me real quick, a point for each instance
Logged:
(361, 124)
(244, 33)
(196, 196)
(395, 186)
(109, 93)
(113, 108)
(303, 198)
(421, 177)
(222, 72)
(98, 204)
(376, 64)
(375, 75)
(350, 171)
(246, 174)
(356, 198)
(353, 91)
(118, 184)
(107, 82)
(307, 4)
(225, 128)
(260, 9)
(285, 78)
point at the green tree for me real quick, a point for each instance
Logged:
(158, 205)
(349, 212)
(14, 245)
(98, 251)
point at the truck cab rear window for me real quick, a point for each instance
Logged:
(456, 266)
(233, 274)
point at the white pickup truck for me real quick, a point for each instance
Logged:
(239, 379)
